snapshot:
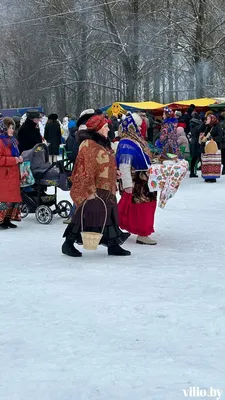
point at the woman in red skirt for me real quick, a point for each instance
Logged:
(137, 205)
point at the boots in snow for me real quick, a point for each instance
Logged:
(9, 224)
(118, 251)
(69, 250)
(3, 225)
(146, 240)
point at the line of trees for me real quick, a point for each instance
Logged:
(67, 55)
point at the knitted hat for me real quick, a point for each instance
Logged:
(96, 122)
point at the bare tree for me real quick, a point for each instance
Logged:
(67, 55)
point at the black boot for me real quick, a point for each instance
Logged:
(9, 224)
(118, 251)
(193, 175)
(3, 225)
(69, 250)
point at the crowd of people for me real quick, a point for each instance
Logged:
(188, 132)
(107, 153)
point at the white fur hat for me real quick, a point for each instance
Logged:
(84, 116)
(82, 127)
(86, 112)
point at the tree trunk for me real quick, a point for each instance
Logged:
(170, 54)
(146, 89)
(156, 95)
(199, 49)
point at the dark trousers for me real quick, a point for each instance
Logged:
(150, 134)
(193, 163)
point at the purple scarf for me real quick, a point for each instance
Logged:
(10, 142)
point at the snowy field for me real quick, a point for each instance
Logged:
(145, 327)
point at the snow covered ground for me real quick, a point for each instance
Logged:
(100, 328)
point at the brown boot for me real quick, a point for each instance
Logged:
(146, 240)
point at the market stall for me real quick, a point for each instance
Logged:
(200, 104)
(121, 108)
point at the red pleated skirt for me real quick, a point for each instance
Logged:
(136, 218)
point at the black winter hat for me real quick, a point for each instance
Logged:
(190, 110)
(53, 117)
(32, 114)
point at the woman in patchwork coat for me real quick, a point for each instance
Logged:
(94, 176)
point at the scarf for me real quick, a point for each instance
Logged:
(214, 120)
(12, 143)
(131, 131)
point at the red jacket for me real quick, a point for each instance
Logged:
(9, 176)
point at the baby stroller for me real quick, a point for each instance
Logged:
(34, 198)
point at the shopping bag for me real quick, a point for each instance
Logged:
(26, 176)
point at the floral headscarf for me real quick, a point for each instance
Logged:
(130, 130)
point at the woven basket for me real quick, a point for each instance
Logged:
(91, 240)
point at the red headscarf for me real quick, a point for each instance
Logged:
(214, 120)
(96, 122)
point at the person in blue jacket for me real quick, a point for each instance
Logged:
(72, 123)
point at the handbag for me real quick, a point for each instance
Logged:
(26, 176)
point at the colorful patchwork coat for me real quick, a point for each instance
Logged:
(95, 167)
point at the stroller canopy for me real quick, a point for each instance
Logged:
(38, 157)
(39, 161)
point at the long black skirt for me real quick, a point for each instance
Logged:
(93, 220)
